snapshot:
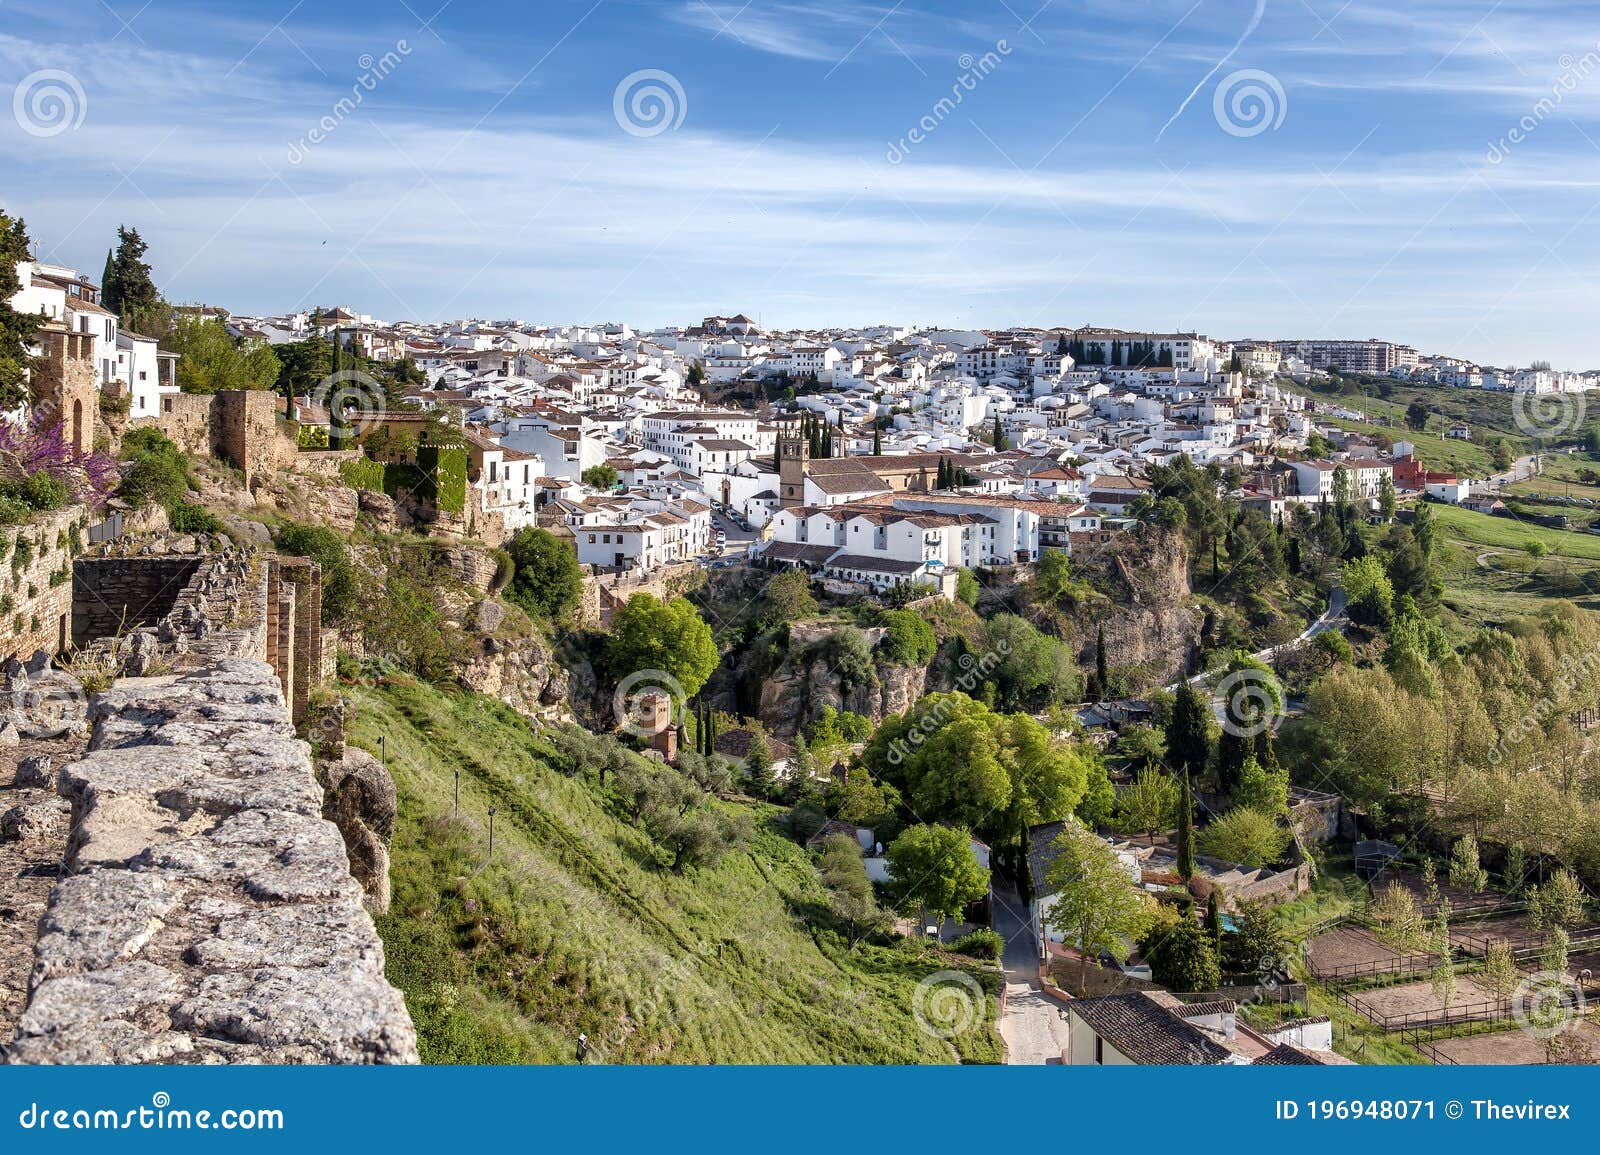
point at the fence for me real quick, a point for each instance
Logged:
(1529, 945)
(108, 530)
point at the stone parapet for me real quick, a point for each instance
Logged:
(207, 913)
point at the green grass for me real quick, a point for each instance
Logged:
(572, 927)
(1514, 580)
(1489, 531)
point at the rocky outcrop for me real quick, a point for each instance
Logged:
(521, 672)
(208, 912)
(1150, 624)
(799, 690)
(360, 799)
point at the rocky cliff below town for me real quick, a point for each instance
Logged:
(1146, 607)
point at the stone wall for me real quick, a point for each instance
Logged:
(113, 595)
(207, 912)
(604, 594)
(240, 426)
(36, 582)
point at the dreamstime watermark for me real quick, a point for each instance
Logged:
(1574, 668)
(1249, 102)
(947, 1004)
(49, 102)
(1251, 701)
(1574, 71)
(973, 70)
(160, 1115)
(1546, 1003)
(973, 673)
(649, 102)
(647, 702)
(1543, 415)
(373, 71)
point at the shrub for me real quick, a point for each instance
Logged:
(327, 548)
(185, 517)
(981, 943)
(908, 639)
(155, 470)
(546, 579)
(1244, 836)
(364, 474)
(38, 491)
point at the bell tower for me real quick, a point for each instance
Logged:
(793, 454)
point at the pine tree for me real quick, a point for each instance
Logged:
(758, 764)
(137, 302)
(1186, 832)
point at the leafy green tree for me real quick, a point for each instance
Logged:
(1500, 975)
(1368, 592)
(547, 580)
(16, 329)
(850, 897)
(1182, 958)
(329, 550)
(1466, 872)
(934, 868)
(1094, 902)
(1386, 497)
(1417, 415)
(1000, 442)
(600, 477)
(1558, 902)
(1150, 805)
(967, 587)
(1246, 837)
(210, 360)
(648, 634)
(1263, 789)
(787, 598)
(1260, 946)
(908, 639)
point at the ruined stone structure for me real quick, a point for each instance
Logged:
(207, 912)
(63, 382)
(144, 605)
(240, 426)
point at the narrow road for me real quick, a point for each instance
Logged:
(1330, 618)
(1032, 1026)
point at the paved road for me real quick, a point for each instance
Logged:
(1521, 469)
(1330, 619)
(1032, 1026)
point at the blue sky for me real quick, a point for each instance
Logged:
(1364, 182)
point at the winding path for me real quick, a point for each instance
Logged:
(1032, 1026)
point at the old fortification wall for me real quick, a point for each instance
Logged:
(207, 911)
(36, 581)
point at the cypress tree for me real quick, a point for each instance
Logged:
(1214, 919)
(108, 285)
(877, 441)
(1000, 443)
(1100, 673)
(1186, 832)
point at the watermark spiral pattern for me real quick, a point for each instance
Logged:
(49, 102)
(1249, 102)
(649, 102)
(947, 1004)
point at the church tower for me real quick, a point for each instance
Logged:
(793, 454)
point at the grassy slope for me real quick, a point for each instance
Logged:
(573, 928)
(1489, 415)
(1510, 588)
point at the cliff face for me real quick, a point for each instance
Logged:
(798, 690)
(1150, 625)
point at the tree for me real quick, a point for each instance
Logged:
(1186, 831)
(16, 329)
(1368, 592)
(1466, 872)
(1500, 975)
(934, 868)
(1000, 442)
(1430, 881)
(877, 441)
(1246, 837)
(1501, 455)
(1417, 416)
(1188, 732)
(1213, 919)
(1102, 678)
(787, 598)
(850, 896)
(1396, 920)
(967, 588)
(547, 581)
(1260, 947)
(1182, 958)
(1261, 788)
(331, 553)
(908, 639)
(758, 766)
(600, 477)
(129, 291)
(1150, 805)
(1386, 499)
(648, 635)
(1093, 901)
(1444, 975)
(1559, 902)
(210, 360)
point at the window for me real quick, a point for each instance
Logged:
(1099, 1050)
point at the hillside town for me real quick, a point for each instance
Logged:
(825, 576)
